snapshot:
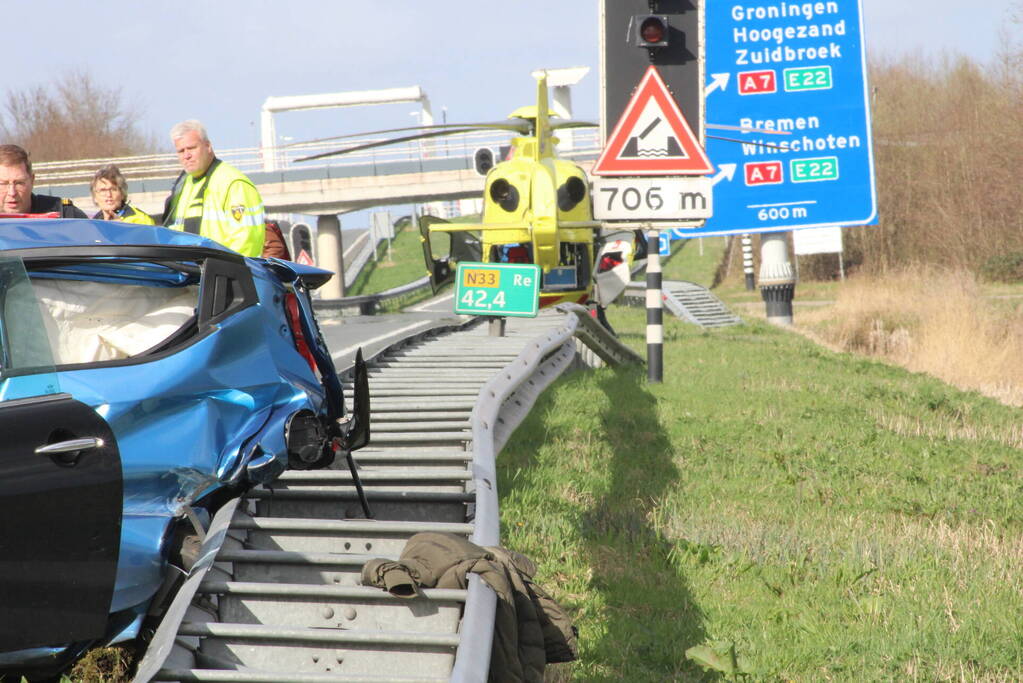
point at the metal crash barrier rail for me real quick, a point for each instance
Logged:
(369, 303)
(537, 353)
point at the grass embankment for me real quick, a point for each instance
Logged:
(396, 264)
(695, 260)
(831, 517)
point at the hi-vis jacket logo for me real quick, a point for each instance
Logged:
(237, 212)
(652, 137)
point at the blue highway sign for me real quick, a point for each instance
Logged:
(795, 72)
(664, 243)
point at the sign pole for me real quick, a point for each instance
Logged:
(497, 327)
(654, 310)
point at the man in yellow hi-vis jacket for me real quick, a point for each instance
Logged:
(212, 198)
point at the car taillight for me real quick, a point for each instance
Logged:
(295, 322)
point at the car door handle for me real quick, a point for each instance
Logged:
(70, 446)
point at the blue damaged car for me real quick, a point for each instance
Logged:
(146, 376)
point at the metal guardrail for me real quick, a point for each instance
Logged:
(368, 303)
(360, 260)
(690, 302)
(502, 403)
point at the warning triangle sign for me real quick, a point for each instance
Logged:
(652, 137)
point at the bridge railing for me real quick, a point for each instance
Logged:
(251, 159)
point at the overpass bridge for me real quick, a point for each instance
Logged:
(401, 174)
(422, 171)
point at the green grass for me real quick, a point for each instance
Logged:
(403, 264)
(694, 260)
(832, 518)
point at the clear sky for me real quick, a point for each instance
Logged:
(218, 60)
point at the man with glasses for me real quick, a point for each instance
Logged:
(16, 180)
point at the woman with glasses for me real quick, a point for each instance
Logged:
(110, 193)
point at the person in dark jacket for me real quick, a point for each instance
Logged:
(16, 180)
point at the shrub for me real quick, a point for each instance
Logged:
(1003, 268)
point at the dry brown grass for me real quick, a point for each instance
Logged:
(929, 320)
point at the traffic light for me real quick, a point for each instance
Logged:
(301, 241)
(638, 33)
(650, 30)
(483, 160)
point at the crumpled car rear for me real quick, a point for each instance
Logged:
(146, 375)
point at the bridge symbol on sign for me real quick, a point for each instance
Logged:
(652, 137)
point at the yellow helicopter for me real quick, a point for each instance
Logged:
(536, 209)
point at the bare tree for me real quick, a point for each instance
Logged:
(73, 118)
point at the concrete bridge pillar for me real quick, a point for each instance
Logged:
(329, 255)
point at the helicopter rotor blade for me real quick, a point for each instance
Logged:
(747, 142)
(746, 129)
(384, 143)
(522, 127)
(555, 125)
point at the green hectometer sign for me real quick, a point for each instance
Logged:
(504, 289)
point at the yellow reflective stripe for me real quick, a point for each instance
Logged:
(248, 218)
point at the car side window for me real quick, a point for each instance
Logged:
(112, 312)
(26, 360)
(100, 321)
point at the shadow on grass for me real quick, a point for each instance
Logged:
(652, 616)
(637, 616)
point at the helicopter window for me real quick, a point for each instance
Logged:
(440, 245)
(571, 192)
(465, 246)
(504, 194)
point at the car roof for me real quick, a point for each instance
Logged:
(28, 233)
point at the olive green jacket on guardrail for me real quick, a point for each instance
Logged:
(531, 629)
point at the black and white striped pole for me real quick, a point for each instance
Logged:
(747, 261)
(654, 310)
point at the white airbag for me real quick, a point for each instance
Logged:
(98, 321)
